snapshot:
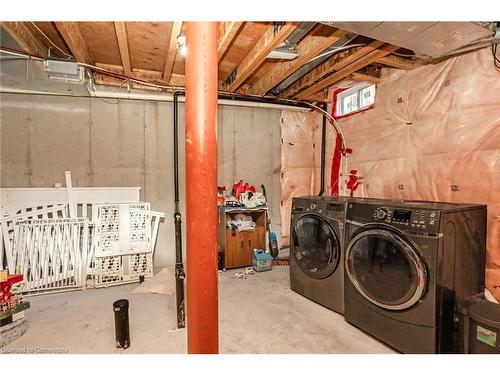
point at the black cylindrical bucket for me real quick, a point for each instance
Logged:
(122, 332)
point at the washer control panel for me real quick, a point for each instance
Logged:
(420, 220)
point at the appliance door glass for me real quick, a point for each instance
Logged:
(315, 246)
(386, 269)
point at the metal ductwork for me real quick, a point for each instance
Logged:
(338, 46)
(426, 39)
(288, 49)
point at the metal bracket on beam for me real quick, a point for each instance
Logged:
(277, 26)
(231, 77)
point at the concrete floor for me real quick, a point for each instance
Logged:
(257, 315)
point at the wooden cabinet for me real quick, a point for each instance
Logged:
(237, 247)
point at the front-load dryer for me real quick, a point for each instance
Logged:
(316, 255)
(405, 264)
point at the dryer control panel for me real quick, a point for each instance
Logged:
(421, 220)
(323, 206)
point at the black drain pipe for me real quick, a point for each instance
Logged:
(180, 275)
(323, 152)
(179, 265)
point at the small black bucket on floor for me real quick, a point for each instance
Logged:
(122, 332)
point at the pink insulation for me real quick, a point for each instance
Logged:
(434, 134)
(301, 142)
(431, 128)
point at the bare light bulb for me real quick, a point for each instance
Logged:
(181, 43)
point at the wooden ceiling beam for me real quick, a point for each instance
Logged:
(362, 77)
(371, 73)
(22, 34)
(72, 36)
(271, 39)
(172, 50)
(360, 63)
(307, 49)
(397, 62)
(319, 97)
(121, 36)
(227, 33)
(334, 63)
(143, 74)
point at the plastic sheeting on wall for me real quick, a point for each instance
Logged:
(300, 154)
(301, 160)
(434, 134)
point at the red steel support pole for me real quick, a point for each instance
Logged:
(201, 187)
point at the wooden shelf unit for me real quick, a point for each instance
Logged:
(236, 247)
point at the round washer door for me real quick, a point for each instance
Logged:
(386, 269)
(315, 247)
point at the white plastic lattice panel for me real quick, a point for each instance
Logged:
(107, 271)
(121, 269)
(8, 226)
(141, 264)
(123, 229)
(52, 254)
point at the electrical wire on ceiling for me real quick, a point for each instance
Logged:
(496, 60)
(20, 54)
(404, 54)
(51, 42)
(335, 50)
(94, 68)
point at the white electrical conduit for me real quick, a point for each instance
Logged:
(154, 97)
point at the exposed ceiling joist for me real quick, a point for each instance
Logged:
(360, 63)
(271, 39)
(121, 36)
(134, 73)
(371, 73)
(397, 62)
(143, 74)
(309, 48)
(72, 36)
(334, 63)
(21, 33)
(365, 78)
(319, 97)
(172, 50)
(228, 31)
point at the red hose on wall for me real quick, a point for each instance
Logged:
(336, 164)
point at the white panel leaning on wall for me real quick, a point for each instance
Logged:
(66, 238)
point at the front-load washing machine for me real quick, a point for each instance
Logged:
(316, 255)
(405, 263)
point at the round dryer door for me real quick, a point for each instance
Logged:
(316, 248)
(386, 269)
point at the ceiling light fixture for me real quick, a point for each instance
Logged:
(181, 43)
